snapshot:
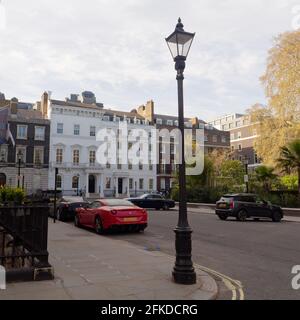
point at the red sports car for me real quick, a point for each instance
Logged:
(106, 214)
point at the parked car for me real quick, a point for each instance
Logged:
(153, 201)
(66, 207)
(244, 205)
(107, 214)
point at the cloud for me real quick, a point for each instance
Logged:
(117, 49)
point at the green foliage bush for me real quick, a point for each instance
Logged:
(8, 194)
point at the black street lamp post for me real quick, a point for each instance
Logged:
(179, 43)
(55, 195)
(246, 163)
(19, 167)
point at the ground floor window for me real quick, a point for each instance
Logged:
(130, 184)
(150, 184)
(75, 182)
(58, 182)
(108, 183)
(141, 184)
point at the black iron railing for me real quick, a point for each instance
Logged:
(24, 242)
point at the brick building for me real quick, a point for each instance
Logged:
(29, 142)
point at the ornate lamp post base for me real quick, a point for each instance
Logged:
(184, 272)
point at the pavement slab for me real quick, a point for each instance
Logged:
(88, 266)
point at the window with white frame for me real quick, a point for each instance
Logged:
(92, 131)
(76, 129)
(215, 138)
(76, 157)
(108, 183)
(3, 153)
(107, 165)
(169, 122)
(92, 157)
(75, 182)
(60, 128)
(151, 184)
(22, 131)
(224, 139)
(58, 182)
(38, 155)
(158, 121)
(21, 154)
(150, 165)
(239, 135)
(206, 138)
(119, 165)
(130, 183)
(39, 133)
(59, 156)
(141, 184)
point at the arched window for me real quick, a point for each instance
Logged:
(75, 182)
(58, 182)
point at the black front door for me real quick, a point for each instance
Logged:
(92, 182)
(2, 179)
(120, 186)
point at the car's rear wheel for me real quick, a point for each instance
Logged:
(99, 226)
(276, 216)
(77, 221)
(242, 215)
(166, 206)
(223, 216)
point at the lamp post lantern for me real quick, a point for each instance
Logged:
(179, 43)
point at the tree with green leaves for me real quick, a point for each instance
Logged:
(279, 121)
(289, 159)
(266, 176)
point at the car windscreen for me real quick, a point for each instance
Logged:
(226, 198)
(117, 203)
(72, 199)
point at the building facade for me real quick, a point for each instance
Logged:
(243, 133)
(24, 156)
(75, 122)
(166, 172)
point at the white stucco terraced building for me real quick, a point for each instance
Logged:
(73, 146)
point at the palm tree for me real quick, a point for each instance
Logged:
(290, 159)
(265, 175)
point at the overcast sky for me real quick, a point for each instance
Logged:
(116, 49)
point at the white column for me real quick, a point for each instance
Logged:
(128, 191)
(116, 187)
(101, 186)
(87, 186)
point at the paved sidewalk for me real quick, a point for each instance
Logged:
(89, 266)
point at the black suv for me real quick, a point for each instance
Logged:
(245, 205)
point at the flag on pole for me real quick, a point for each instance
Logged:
(5, 133)
(10, 136)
